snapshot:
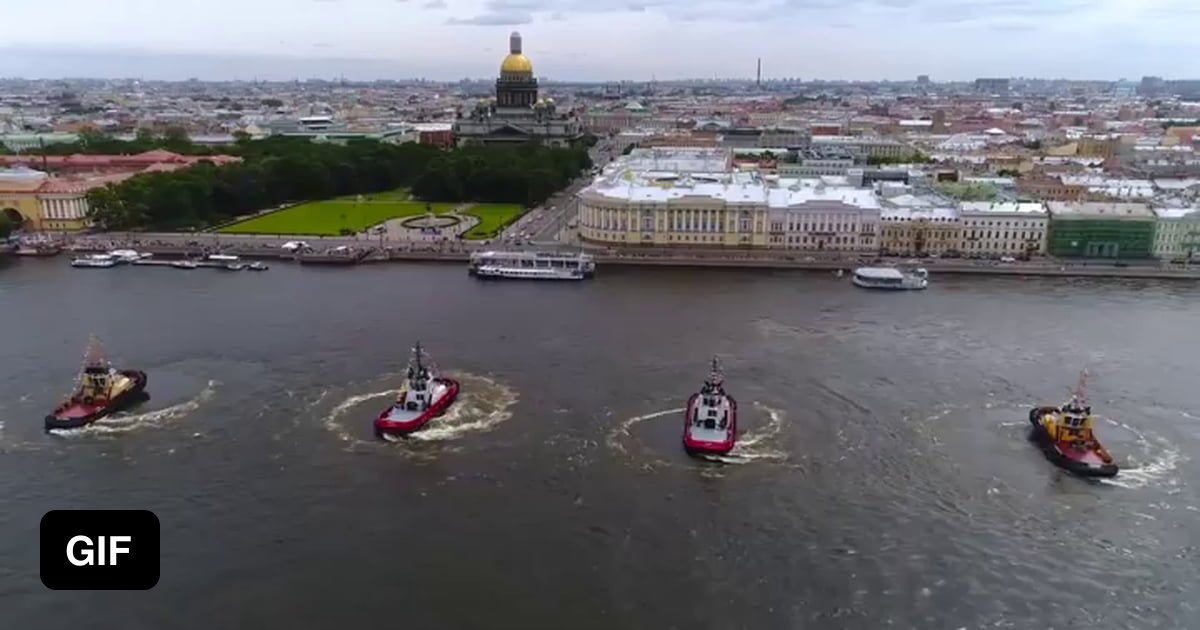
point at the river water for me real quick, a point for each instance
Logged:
(883, 477)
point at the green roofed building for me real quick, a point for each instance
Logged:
(1100, 230)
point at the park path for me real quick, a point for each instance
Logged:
(394, 229)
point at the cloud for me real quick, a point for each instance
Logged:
(434, 4)
(495, 18)
(921, 11)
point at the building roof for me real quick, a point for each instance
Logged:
(75, 185)
(1099, 210)
(737, 188)
(879, 273)
(1005, 207)
(939, 215)
(21, 179)
(1178, 213)
(138, 161)
(677, 159)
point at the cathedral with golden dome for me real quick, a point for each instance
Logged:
(516, 114)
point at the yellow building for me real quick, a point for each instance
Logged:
(19, 197)
(1104, 146)
(670, 216)
(916, 232)
(36, 202)
(689, 198)
(63, 201)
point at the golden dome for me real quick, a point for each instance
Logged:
(516, 63)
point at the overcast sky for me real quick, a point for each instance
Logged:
(601, 39)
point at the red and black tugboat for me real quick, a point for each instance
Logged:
(101, 390)
(424, 396)
(1066, 436)
(710, 420)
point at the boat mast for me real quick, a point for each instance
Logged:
(715, 377)
(94, 374)
(1079, 396)
(417, 356)
(93, 354)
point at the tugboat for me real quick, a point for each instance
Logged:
(424, 396)
(710, 421)
(1066, 436)
(101, 391)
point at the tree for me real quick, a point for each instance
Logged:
(278, 169)
(968, 191)
(6, 226)
(176, 139)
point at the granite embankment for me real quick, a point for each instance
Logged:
(269, 247)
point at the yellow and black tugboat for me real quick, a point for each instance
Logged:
(102, 390)
(1067, 438)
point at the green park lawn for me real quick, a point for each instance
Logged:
(493, 217)
(330, 217)
(400, 194)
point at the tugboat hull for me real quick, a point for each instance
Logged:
(387, 425)
(73, 415)
(694, 444)
(1083, 463)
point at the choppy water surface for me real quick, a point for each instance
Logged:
(882, 479)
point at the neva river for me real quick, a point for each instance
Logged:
(883, 477)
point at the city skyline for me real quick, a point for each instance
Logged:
(600, 40)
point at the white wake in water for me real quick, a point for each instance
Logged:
(126, 422)
(758, 444)
(1152, 462)
(482, 404)
(620, 434)
(1162, 460)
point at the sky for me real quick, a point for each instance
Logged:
(592, 40)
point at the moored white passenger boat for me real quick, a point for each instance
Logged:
(516, 273)
(94, 261)
(128, 255)
(890, 278)
(531, 265)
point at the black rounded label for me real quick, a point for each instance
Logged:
(112, 550)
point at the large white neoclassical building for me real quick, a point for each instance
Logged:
(688, 197)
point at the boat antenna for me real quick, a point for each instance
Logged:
(93, 355)
(417, 354)
(715, 377)
(1080, 395)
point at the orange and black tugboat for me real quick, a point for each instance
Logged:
(101, 390)
(424, 396)
(1066, 436)
(710, 421)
